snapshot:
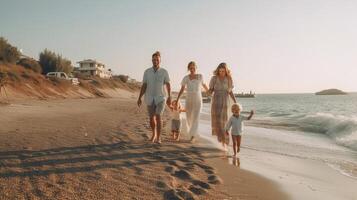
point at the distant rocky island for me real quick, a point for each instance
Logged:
(331, 92)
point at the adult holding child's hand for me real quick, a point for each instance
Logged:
(221, 86)
(168, 101)
(154, 81)
(194, 83)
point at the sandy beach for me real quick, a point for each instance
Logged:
(258, 100)
(97, 149)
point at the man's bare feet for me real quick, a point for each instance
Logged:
(153, 138)
(158, 141)
(177, 138)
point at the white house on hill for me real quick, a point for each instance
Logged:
(91, 67)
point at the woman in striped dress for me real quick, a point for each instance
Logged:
(221, 85)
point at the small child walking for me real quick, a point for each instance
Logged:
(235, 123)
(176, 111)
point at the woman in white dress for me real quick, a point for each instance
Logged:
(192, 83)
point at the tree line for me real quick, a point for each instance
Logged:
(48, 60)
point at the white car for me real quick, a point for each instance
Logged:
(62, 75)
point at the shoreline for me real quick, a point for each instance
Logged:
(242, 183)
(55, 149)
(299, 168)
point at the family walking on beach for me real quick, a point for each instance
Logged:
(156, 79)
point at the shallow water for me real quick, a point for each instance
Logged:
(333, 116)
(321, 128)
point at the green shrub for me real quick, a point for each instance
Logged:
(52, 62)
(29, 63)
(8, 53)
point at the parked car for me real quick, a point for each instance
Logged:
(62, 75)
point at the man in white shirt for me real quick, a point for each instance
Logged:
(153, 87)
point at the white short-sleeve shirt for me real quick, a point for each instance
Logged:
(236, 123)
(155, 81)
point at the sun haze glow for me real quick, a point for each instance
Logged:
(273, 46)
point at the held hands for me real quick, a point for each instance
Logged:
(168, 101)
(227, 133)
(139, 102)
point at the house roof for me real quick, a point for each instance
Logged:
(90, 61)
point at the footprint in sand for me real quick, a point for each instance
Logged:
(208, 171)
(144, 161)
(178, 195)
(205, 167)
(197, 190)
(185, 194)
(184, 159)
(201, 184)
(172, 162)
(127, 164)
(183, 174)
(171, 195)
(213, 179)
(170, 169)
(189, 166)
(158, 157)
(162, 185)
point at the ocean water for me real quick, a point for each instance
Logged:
(307, 126)
(332, 116)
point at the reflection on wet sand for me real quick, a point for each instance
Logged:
(236, 161)
(232, 160)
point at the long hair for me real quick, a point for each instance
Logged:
(226, 69)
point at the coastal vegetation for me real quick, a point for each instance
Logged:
(8, 53)
(26, 76)
(30, 63)
(52, 62)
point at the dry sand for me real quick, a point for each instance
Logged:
(98, 149)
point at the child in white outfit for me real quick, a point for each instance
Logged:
(235, 123)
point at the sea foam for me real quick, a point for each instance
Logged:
(340, 128)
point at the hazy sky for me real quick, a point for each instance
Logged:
(271, 46)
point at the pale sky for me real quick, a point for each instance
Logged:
(275, 46)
